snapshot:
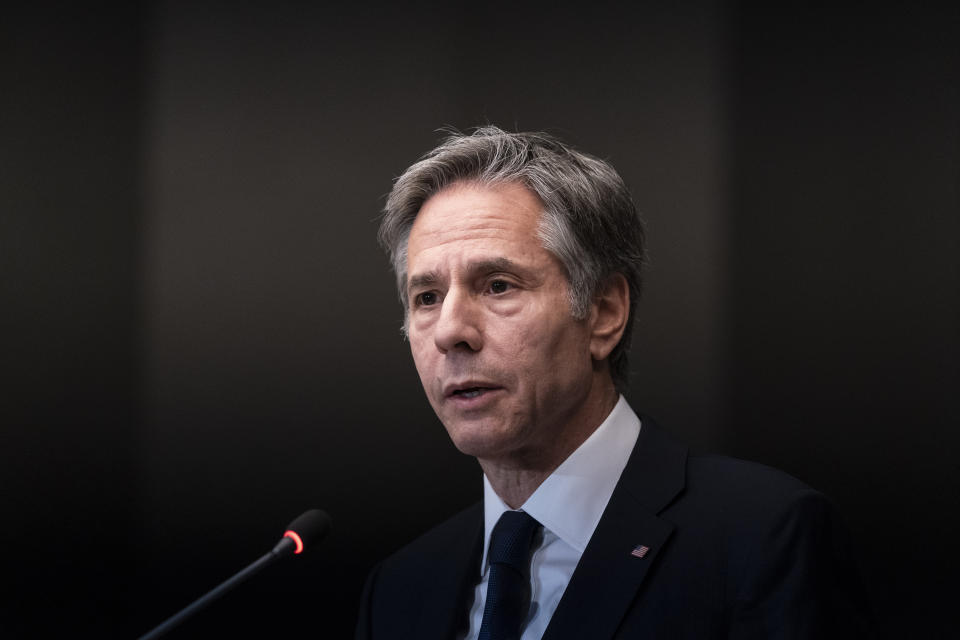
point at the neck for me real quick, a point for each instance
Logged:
(516, 478)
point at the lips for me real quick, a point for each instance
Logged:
(469, 389)
(470, 393)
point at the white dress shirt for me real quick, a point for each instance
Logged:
(568, 504)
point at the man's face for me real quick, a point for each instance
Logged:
(502, 360)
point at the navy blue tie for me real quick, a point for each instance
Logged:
(508, 590)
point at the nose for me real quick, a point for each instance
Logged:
(458, 327)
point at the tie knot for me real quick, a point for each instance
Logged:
(512, 539)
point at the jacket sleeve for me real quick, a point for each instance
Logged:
(365, 618)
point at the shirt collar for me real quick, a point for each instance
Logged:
(572, 498)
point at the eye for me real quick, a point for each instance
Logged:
(425, 299)
(499, 286)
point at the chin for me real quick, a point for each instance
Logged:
(478, 440)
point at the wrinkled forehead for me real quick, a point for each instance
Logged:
(472, 217)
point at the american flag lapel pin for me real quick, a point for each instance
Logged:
(639, 551)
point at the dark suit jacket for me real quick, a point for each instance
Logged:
(737, 550)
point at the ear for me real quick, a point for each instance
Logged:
(608, 316)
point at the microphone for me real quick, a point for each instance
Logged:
(309, 528)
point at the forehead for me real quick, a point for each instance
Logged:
(476, 216)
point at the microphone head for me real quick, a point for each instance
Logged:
(307, 529)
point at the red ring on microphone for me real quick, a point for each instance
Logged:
(296, 538)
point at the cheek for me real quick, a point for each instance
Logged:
(564, 349)
(542, 346)
(421, 355)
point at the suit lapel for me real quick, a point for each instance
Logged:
(609, 575)
(446, 604)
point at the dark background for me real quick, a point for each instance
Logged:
(200, 337)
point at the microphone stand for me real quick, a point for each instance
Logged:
(285, 545)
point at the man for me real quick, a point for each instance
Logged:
(518, 261)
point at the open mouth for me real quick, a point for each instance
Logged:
(471, 392)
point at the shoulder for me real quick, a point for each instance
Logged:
(721, 505)
(742, 481)
(442, 540)
(746, 498)
(786, 555)
(663, 472)
(444, 553)
(419, 586)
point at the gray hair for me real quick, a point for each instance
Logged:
(589, 221)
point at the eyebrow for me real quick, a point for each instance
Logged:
(427, 279)
(491, 265)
